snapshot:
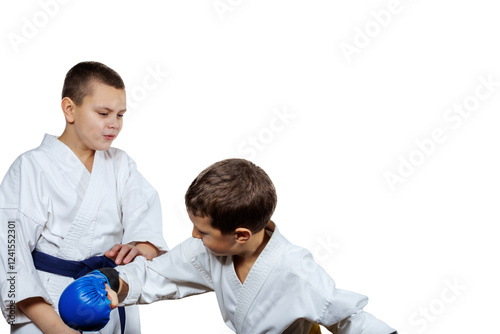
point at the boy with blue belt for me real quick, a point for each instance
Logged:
(263, 283)
(69, 201)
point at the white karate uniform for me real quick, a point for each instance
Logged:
(285, 291)
(63, 210)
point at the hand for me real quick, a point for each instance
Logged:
(84, 303)
(123, 254)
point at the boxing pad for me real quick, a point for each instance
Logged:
(84, 304)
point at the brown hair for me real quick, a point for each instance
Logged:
(79, 79)
(233, 193)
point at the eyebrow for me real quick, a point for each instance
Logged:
(108, 109)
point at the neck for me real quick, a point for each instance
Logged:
(84, 154)
(255, 246)
(245, 259)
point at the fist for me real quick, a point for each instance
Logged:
(84, 304)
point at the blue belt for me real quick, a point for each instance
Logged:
(74, 269)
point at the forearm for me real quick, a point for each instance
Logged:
(43, 315)
(169, 276)
(148, 249)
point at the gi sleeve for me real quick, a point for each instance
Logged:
(361, 323)
(141, 209)
(181, 272)
(347, 307)
(21, 226)
(340, 311)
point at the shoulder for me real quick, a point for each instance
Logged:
(294, 255)
(291, 253)
(298, 262)
(127, 174)
(116, 154)
(23, 176)
(28, 160)
(120, 160)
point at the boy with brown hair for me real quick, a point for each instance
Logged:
(263, 283)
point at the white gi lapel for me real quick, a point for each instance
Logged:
(72, 169)
(85, 219)
(256, 278)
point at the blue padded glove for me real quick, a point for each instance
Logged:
(84, 304)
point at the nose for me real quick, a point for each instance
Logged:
(113, 123)
(196, 234)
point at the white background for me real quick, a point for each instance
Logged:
(350, 119)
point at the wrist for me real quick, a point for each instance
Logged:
(112, 277)
(122, 290)
(147, 249)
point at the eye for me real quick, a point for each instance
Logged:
(120, 115)
(103, 114)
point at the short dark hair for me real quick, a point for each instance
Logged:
(233, 193)
(79, 79)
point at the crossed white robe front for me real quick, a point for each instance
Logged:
(58, 207)
(286, 291)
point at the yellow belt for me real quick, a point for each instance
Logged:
(315, 329)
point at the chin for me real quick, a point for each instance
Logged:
(103, 147)
(216, 253)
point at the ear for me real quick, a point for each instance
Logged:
(68, 108)
(242, 235)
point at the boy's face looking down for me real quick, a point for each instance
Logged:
(98, 120)
(217, 243)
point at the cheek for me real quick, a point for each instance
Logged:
(221, 245)
(210, 243)
(93, 123)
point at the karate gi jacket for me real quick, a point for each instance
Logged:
(285, 291)
(54, 204)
